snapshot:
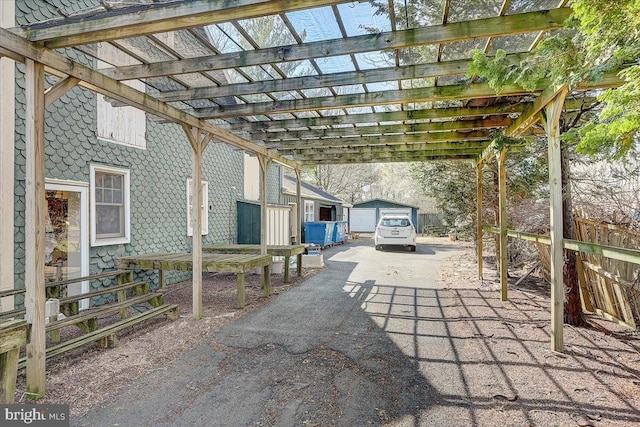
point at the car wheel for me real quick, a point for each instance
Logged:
(413, 248)
(378, 247)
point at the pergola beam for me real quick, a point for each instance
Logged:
(426, 138)
(420, 71)
(391, 116)
(414, 95)
(385, 152)
(142, 20)
(334, 160)
(385, 129)
(454, 32)
(97, 82)
(426, 94)
(388, 149)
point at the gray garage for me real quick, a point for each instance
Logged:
(365, 215)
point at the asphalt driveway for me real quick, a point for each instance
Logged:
(363, 342)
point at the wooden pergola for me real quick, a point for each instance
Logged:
(388, 88)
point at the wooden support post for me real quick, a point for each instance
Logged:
(300, 212)
(241, 297)
(34, 229)
(7, 156)
(198, 142)
(479, 220)
(550, 121)
(264, 169)
(502, 204)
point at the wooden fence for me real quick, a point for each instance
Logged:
(609, 286)
(613, 286)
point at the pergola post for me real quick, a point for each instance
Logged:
(502, 207)
(264, 169)
(198, 144)
(7, 155)
(551, 120)
(300, 210)
(479, 219)
(34, 228)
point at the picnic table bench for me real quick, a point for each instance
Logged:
(239, 264)
(287, 251)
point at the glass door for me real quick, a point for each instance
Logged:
(66, 240)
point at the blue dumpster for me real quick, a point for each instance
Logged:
(319, 232)
(340, 232)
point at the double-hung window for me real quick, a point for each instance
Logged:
(110, 205)
(309, 214)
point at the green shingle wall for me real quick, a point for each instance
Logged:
(158, 174)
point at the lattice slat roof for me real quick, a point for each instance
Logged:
(320, 81)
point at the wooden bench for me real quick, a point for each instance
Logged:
(87, 320)
(106, 336)
(13, 335)
(239, 264)
(286, 251)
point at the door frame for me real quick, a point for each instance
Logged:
(83, 189)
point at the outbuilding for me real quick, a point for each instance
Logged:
(364, 215)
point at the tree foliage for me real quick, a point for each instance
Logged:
(601, 36)
(452, 184)
(348, 182)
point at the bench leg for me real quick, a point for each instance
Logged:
(55, 335)
(299, 264)
(162, 279)
(122, 297)
(266, 280)
(173, 314)
(287, 261)
(240, 290)
(110, 341)
(8, 374)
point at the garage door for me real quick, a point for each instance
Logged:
(396, 211)
(363, 220)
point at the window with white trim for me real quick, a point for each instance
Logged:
(110, 205)
(204, 203)
(309, 211)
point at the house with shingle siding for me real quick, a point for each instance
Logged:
(117, 178)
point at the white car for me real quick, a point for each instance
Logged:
(395, 230)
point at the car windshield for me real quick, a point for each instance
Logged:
(395, 222)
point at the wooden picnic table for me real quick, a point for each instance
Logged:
(287, 251)
(239, 264)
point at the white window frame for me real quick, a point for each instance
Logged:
(309, 211)
(204, 203)
(104, 241)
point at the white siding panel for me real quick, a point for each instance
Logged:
(278, 225)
